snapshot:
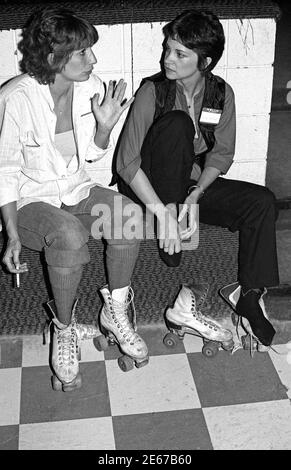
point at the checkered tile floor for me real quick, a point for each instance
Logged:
(180, 400)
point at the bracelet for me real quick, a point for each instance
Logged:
(194, 186)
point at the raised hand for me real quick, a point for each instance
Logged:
(113, 105)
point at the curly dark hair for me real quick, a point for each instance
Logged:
(200, 31)
(53, 30)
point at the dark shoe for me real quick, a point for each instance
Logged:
(248, 306)
(170, 260)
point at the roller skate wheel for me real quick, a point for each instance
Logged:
(170, 340)
(125, 363)
(143, 363)
(210, 349)
(100, 343)
(56, 384)
(228, 346)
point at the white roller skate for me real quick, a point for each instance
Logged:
(186, 317)
(231, 294)
(116, 328)
(66, 351)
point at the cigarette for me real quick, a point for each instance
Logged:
(17, 278)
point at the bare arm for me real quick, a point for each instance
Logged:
(13, 248)
(168, 232)
(207, 177)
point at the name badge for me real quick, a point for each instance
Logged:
(210, 116)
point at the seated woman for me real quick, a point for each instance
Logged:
(54, 120)
(178, 140)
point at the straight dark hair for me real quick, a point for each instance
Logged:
(200, 31)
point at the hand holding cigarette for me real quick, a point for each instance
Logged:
(12, 261)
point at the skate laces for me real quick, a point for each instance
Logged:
(199, 315)
(66, 345)
(82, 331)
(120, 318)
(202, 297)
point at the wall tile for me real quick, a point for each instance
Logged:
(252, 42)
(254, 172)
(253, 88)
(252, 137)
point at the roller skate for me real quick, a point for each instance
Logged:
(66, 351)
(186, 317)
(117, 328)
(242, 317)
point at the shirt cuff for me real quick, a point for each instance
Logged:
(129, 172)
(218, 162)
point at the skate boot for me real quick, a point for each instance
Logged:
(83, 331)
(117, 328)
(251, 316)
(66, 352)
(186, 317)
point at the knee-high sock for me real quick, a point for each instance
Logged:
(64, 283)
(120, 263)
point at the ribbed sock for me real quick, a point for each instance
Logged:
(120, 260)
(64, 285)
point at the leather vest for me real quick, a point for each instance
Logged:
(214, 97)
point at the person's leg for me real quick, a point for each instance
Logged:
(106, 213)
(110, 215)
(167, 160)
(251, 210)
(167, 155)
(64, 241)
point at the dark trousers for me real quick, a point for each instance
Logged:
(167, 160)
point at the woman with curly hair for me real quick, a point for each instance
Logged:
(56, 120)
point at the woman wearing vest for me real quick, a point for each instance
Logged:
(178, 140)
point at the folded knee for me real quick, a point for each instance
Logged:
(266, 197)
(68, 236)
(180, 121)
